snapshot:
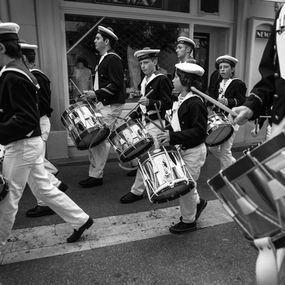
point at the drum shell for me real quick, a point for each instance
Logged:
(165, 175)
(85, 125)
(219, 129)
(130, 140)
(250, 180)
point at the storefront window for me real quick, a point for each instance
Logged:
(169, 5)
(133, 35)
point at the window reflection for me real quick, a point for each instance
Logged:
(133, 35)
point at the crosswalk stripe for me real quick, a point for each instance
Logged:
(47, 241)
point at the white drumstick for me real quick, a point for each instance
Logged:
(215, 102)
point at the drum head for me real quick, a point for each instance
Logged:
(92, 139)
(170, 194)
(219, 135)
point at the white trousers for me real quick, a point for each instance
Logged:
(194, 159)
(23, 160)
(45, 129)
(138, 186)
(99, 154)
(223, 152)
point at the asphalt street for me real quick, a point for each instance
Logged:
(128, 244)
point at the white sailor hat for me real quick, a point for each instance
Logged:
(186, 41)
(9, 31)
(24, 45)
(191, 68)
(108, 32)
(146, 53)
(228, 59)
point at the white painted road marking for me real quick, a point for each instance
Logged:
(46, 241)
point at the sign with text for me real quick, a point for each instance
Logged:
(262, 34)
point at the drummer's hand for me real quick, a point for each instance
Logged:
(243, 115)
(144, 101)
(88, 95)
(223, 101)
(164, 138)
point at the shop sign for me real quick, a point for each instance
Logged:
(262, 34)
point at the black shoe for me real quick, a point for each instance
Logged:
(39, 211)
(78, 233)
(62, 187)
(130, 198)
(200, 207)
(91, 182)
(182, 227)
(132, 173)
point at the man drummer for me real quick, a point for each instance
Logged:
(229, 91)
(184, 49)
(269, 92)
(29, 57)
(156, 98)
(109, 93)
(20, 133)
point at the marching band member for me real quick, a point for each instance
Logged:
(29, 57)
(184, 49)
(158, 86)
(189, 124)
(268, 93)
(109, 91)
(229, 91)
(20, 133)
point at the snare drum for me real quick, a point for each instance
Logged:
(219, 129)
(165, 174)
(130, 140)
(85, 125)
(252, 190)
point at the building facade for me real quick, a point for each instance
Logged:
(65, 30)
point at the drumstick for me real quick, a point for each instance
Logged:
(136, 106)
(159, 117)
(148, 119)
(215, 102)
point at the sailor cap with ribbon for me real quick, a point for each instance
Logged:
(146, 53)
(228, 59)
(9, 31)
(108, 32)
(186, 41)
(27, 49)
(190, 68)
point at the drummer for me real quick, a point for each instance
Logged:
(184, 49)
(189, 124)
(109, 91)
(269, 92)
(229, 91)
(156, 97)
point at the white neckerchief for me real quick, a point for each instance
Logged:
(280, 41)
(144, 83)
(96, 81)
(223, 87)
(176, 105)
